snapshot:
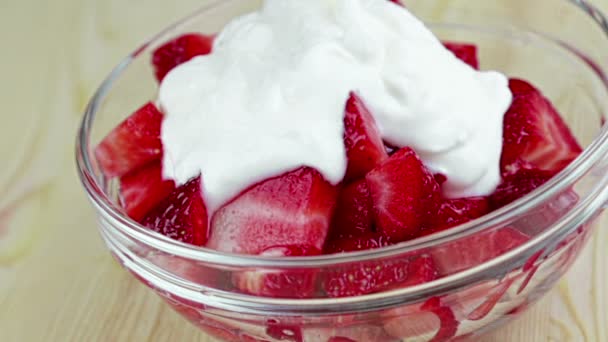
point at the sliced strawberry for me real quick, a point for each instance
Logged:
(465, 52)
(476, 249)
(143, 189)
(364, 278)
(354, 211)
(181, 216)
(448, 326)
(453, 212)
(517, 185)
(281, 332)
(364, 241)
(132, 144)
(404, 193)
(292, 283)
(535, 136)
(364, 147)
(293, 209)
(178, 51)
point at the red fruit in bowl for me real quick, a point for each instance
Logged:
(292, 209)
(465, 52)
(292, 283)
(364, 147)
(360, 242)
(132, 144)
(471, 251)
(517, 185)
(181, 216)
(142, 189)
(371, 277)
(535, 135)
(354, 211)
(453, 212)
(178, 51)
(404, 193)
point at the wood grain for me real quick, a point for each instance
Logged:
(57, 281)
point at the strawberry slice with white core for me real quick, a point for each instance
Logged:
(292, 209)
(364, 147)
(142, 189)
(535, 135)
(292, 283)
(403, 192)
(181, 216)
(178, 51)
(132, 144)
(465, 52)
(471, 251)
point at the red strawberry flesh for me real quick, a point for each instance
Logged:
(465, 52)
(448, 323)
(471, 251)
(364, 147)
(292, 209)
(535, 135)
(453, 212)
(132, 144)
(517, 185)
(354, 211)
(292, 283)
(403, 194)
(365, 241)
(181, 216)
(143, 189)
(178, 51)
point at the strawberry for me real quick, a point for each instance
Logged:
(465, 52)
(492, 299)
(364, 278)
(292, 209)
(142, 189)
(475, 249)
(178, 51)
(281, 332)
(453, 212)
(360, 242)
(132, 144)
(292, 283)
(535, 136)
(403, 194)
(448, 326)
(354, 211)
(181, 216)
(517, 185)
(364, 147)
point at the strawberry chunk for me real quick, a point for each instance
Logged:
(465, 52)
(132, 144)
(292, 283)
(181, 216)
(473, 250)
(404, 193)
(178, 51)
(354, 211)
(448, 326)
(365, 278)
(143, 189)
(364, 147)
(364, 241)
(517, 185)
(453, 212)
(535, 135)
(292, 209)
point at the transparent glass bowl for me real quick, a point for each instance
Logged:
(556, 44)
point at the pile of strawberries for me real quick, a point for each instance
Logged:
(387, 195)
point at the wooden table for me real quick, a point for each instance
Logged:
(57, 281)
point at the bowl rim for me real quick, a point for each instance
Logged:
(584, 209)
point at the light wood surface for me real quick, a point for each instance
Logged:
(57, 281)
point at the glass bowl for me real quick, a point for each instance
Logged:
(530, 40)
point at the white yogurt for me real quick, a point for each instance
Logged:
(271, 97)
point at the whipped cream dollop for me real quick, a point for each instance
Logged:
(270, 98)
